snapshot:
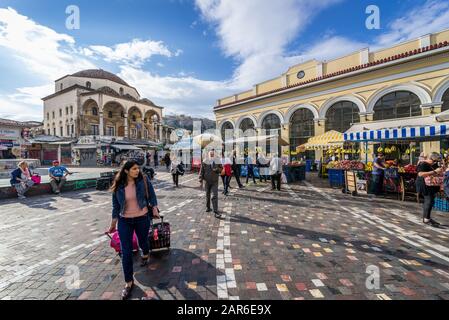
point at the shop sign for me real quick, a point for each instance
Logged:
(8, 133)
(6, 144)
(86, 140)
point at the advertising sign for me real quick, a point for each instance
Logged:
(8, 133)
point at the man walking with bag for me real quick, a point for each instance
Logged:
(210, 172)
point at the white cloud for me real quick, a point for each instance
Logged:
(45, 53)
(256, 32)
(135, 52)
(19, 111)
(430, 17)
(181, 94)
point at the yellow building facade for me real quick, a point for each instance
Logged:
(408, 80)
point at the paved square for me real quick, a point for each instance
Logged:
(304, 242)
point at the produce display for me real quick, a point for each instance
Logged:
(296, 163)
(346, 165)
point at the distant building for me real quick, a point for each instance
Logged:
(99, 103)
(13, 137)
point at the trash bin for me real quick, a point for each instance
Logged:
(309, 165)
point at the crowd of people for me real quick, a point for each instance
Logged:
(134, 200)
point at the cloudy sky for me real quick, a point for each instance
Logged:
(185, 54)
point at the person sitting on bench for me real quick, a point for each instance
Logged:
(58, 176)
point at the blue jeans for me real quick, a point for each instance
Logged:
(126, 228)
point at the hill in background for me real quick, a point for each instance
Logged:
(186, 122)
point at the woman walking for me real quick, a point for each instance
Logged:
(428, 168)
(21, 179)
(134, 204)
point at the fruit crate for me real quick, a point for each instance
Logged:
(441, 204)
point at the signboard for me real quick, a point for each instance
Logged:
(8, 133)
(6, 143)
(86, 140)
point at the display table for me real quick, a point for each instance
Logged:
(295, 173)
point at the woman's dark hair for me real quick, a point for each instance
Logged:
(121, 178)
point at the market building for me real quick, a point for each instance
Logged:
(385, 92)
(104, 116)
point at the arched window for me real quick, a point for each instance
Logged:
(110, 114)
(48, 116)
(226, 126)
(341, 115)
(94, 111)
(302, 128)
(134, 119)
(247, 124)
(270, 123)
(88, 84)
(398, 104)
(121, 91)
(71, 109)
(445, 105)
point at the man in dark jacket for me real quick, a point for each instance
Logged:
(210, 172)
(236, 169)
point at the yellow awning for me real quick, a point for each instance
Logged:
(324, 141)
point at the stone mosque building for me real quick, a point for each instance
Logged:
(99, 103)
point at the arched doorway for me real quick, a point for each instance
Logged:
(150, 121)
(114, 120)
(302, 128)
(90, 119)
(135, 123)
(226, 126)
(398, 104)
(445, 100)
(341, 115)
(271, 124)
(248, 127)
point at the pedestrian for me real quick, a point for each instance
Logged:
(429, 168)
(175, 171)
(21, 179)
(235, 169)
(58, 176)
(156, 159)
(378, 173)
(148, 157)
(276, 172)
(226, 173)
(249, 161)
(167, 161)
(263, 165)
(134, 204)
(209, 172)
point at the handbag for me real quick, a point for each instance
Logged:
(434, 181)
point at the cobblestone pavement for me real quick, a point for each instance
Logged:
(305, 242)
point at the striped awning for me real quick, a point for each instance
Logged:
(397, 129)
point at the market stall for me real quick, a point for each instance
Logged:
(401, 141)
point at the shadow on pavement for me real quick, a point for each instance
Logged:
(167, 282)
(316, 236)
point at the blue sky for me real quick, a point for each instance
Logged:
(185, 54)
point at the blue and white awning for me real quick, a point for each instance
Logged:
(410, 128)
